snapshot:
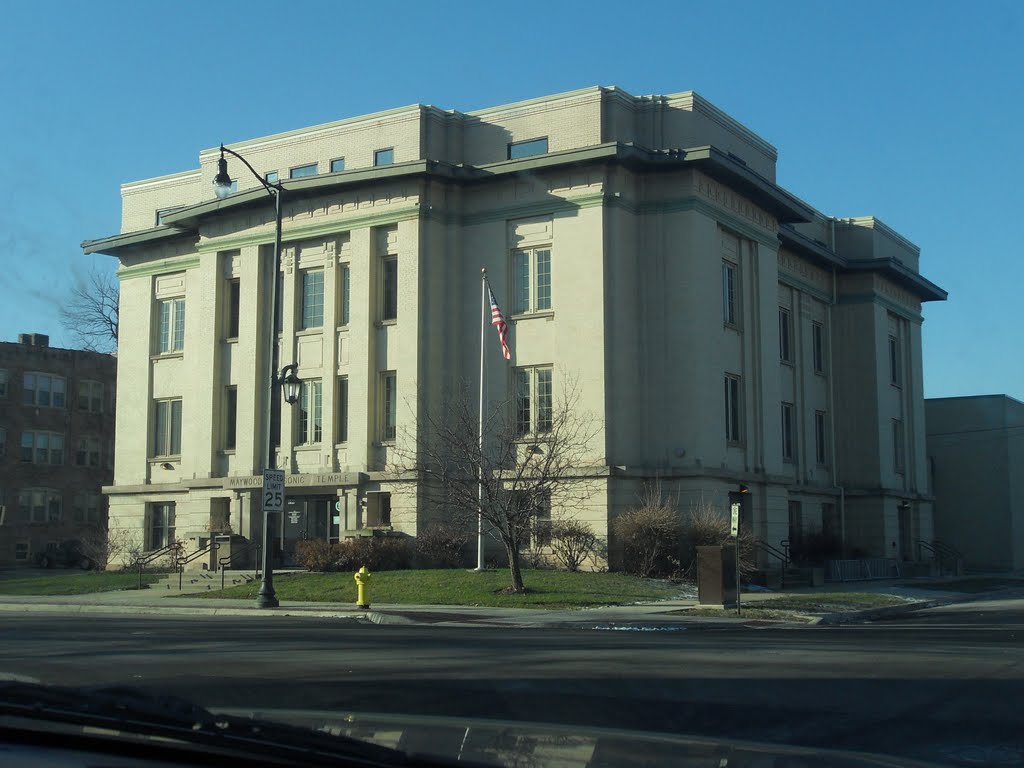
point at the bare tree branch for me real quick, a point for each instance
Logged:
(90, 314)
(514, 477)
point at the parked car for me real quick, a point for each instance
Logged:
(67, 554)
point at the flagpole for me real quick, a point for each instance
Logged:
(480, 430)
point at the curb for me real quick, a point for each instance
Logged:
(148, 610)
(872, 614)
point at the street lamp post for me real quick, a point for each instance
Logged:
(287, 381)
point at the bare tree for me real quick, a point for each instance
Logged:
(514, 480)
(90, 314)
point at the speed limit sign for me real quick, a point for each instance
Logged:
(273, 490)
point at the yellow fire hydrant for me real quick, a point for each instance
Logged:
(362, 578)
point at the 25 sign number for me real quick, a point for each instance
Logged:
(273, 490)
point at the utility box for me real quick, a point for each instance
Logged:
(716, 575)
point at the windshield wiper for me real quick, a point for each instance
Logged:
(134, 711)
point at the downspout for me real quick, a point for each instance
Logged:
(831, 405)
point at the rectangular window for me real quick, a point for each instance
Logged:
(272, 177)
(542, 522)
(313, 299)
(898, 459)
(234, 309)
(171, 326)
(90, 396)
(820, 438)
(733, 432)
(345, 293)
(818, 346)
(3, 384)
(302, 170)
(230, 417)
(785, 335)
(389, 406)
(389, 288)
(311, 424)
(787, 431)
(531, 280)
(729, 293)
(384, 156)
(85, 508)
(342, 409)
(21, 551)
(338, 165)
(517, 149)
(167, 435)
(895, 369)
(3, 443)
(39, 505)
(44, 390)
(87, 453)
(534, 400)
(42, 447)
(160, 526)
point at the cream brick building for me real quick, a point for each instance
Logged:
(723, 331)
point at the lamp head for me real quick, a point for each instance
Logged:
(222, 181)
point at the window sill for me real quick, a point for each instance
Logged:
(180, 355)
(732, 327)
(164, 459)
(821, 373)
(342, 328)
(227, 451)
(790, 363)
(385, 323)
(544, 314)
(384, 443)
(307, 447)
(341, 445)
(312, 331)
(231, 340)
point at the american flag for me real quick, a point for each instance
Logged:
(498, 321)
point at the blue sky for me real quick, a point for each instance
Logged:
(909, 111)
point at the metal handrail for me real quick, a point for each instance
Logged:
(949, 550)
(936, 552)
(227, 561)
(778, 554)
(156, 555)
(784, 543)
(213, 546)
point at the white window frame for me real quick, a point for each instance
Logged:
(170, 327)
(88, 452)
(56, 390)
(528, 294)
(309, 423)
(730, 294)
(165, 512)
(311, 306)
(378, 153)
(44, 505)
(334, 162)
(51, 440)
(165, 448)
(533, 400)
(92, 391)
(895, 362)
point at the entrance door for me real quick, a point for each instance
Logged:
(305, 517)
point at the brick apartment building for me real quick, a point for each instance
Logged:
(56, 445)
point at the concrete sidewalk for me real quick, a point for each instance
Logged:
(661, 615)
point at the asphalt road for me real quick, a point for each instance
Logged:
(943, 685)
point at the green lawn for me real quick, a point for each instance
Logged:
(548, 589)
(970, 585)
(73, 583)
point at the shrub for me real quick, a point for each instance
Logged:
(705, 526)
(649, 534)
(441, 546)
(316, 554)
(572, 542)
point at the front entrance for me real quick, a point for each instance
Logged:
(305, 517)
